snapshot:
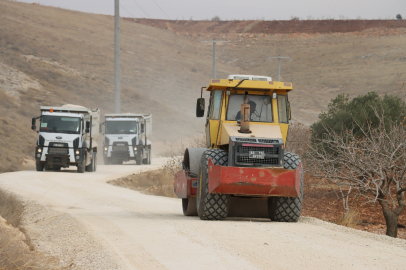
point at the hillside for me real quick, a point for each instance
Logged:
(51, 56)
(271, 27)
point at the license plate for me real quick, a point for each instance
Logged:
(120, 144)
(257, 154)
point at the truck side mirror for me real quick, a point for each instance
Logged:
(289, 111)
(200, 107)
(87, 130)
(33, 126)
(142, 128)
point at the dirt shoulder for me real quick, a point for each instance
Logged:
(16, 248)
(33, 236)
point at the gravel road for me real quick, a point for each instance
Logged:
(93, 225)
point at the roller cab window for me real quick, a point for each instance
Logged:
(260, 108)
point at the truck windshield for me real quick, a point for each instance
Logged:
(60, 124)
(260, 106)
(121, 127)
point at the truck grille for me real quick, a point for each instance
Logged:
(76, 143)
(58, 151)
(120, 146)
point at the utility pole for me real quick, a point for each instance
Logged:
(117, 94)
(279, 64)
(214, 53)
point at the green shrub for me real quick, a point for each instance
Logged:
(344, 114)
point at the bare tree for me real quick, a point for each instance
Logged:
(298, 138)
(372, 166)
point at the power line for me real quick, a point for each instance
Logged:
(161, 9)
(141, 9)
(127, 11)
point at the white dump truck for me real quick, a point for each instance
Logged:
(127, 136)
(67, 136)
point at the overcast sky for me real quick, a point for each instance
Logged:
(239, 9)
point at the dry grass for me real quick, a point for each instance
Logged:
(16, 250)
(350, 219)
(160, 182)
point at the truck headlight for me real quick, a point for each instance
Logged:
(77, 152)
(135, 148)
(39, 150)
(39, 155)
(105, 148)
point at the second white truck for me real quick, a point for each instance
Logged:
(127, 136)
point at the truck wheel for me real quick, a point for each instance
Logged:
(210, 206)
(138, 161)
(107, 161)
(39, 166)
(81, 167)
(189, 207)
(287, 209)
(90, 167)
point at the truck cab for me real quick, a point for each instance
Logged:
(127, 137)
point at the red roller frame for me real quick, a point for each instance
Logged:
(254, 181)
(242, 181)
(185, 186)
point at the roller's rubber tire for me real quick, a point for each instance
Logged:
(90, 167)
(189, 207)
(39, 166)
(287, 209)
(211, 206)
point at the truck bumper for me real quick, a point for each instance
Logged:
(120, 155)
(242, 181)
(57, 160)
